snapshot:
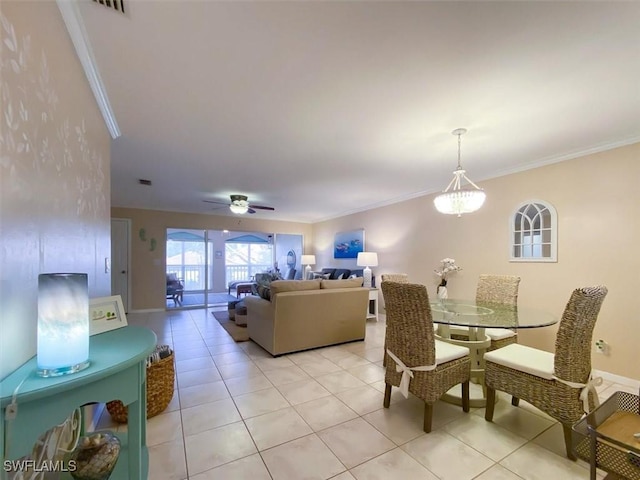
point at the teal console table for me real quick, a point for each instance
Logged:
(117, 371)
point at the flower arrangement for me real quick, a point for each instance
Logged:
(448, 267)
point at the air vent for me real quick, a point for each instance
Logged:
(117, 5)
(142, 181)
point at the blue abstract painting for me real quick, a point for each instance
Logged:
(348, 244)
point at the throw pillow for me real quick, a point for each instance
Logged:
(264, 292)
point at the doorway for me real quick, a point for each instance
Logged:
(207, 262)
(187, 263)
(120, 261)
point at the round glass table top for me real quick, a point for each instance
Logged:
(469, 313)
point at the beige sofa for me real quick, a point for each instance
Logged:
(304, 314)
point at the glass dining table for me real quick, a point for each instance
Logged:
(463, 322)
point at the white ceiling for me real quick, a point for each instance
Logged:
(320, 109)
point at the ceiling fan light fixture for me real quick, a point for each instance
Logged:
(456, 200)
(239, 206)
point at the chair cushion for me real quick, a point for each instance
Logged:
(499, 333)
(525, 359)
(446, 352)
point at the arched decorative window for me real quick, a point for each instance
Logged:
(534, 233)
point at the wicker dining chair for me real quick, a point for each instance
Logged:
(502, 289)
(398, 278)
(395, 277)
(413, 350)
(559, 384)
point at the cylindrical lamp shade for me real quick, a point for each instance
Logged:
(63, 323)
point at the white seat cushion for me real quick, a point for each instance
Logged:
(499, 333)
(446, 352)
(525, 359)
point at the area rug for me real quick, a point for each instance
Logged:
(239, 334)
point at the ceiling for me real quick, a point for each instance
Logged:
(321, 109)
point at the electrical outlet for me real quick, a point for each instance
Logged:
(602, 347)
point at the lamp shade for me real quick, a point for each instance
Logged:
(367, 259)
(308, 260)
(63, 323)
(457, 202)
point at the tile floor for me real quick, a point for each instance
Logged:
(239, 413)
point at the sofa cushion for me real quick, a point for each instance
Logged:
(279, 286)
(346, 283)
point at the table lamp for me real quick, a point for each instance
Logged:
(366, 260)
(63, 323)
(308, 260)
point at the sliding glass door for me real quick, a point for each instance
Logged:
(246, 255)
(188, 254)
(202, 264)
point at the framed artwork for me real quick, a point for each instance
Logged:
(105, 314)
(348, 244)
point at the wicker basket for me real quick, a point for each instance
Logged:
(160, 382)
(613, 455)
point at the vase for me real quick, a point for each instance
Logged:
(442, 293)
(95, 457)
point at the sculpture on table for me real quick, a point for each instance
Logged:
(95, 456)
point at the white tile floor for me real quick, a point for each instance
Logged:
(238, 413)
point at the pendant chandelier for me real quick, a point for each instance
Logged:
(456, 199)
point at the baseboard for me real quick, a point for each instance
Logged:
(148, 310)
(611, 377)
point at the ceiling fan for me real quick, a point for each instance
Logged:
(240, 204)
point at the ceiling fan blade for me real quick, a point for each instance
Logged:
(251, 210)
(262, 207)
(216, 202)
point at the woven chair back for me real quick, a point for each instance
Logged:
(395, 277)
(573, 340)
(409, 333)
(501, 289)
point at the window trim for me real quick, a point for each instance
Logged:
(553, 230)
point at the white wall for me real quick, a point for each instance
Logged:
(598, 204)
(54, 167)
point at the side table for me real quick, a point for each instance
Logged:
(372, 311)
(117, 370)
(605, 437)
(243, 289)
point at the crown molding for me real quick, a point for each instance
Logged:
(78, 33)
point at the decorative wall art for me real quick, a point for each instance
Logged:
(105, 314)
(348, 244)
